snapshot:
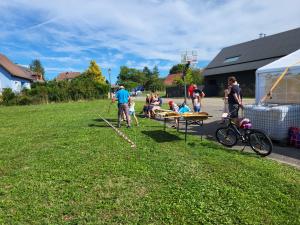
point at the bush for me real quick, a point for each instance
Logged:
(8, 97)
(81, 88)
(24, 100)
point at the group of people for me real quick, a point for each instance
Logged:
(195, 94)
(126, 105)
(153, 102)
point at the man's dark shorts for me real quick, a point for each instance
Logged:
(234, 110)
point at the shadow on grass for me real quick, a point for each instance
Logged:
(103, 125)
(108, 119)
(161, 136)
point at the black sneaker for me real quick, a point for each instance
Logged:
(128, 127)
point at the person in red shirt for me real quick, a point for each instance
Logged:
(191, 90)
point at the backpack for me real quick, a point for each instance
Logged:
(294, 137)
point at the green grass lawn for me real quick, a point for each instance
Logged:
(60, 164)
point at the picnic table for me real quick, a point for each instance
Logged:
(189, 118)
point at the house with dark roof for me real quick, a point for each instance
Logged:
(12, 76)
(242, 60)
(67, 76)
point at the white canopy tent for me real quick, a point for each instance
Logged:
(288, 90)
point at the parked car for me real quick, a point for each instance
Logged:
(137, 91)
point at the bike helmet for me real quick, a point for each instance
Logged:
(245, 123)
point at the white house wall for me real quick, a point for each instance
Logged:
(18, 84)
(9, 81)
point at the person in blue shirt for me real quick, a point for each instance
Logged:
(122, 96)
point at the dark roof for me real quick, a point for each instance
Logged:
(12, 68)
(254, 54)
(171, 77)
(67, 75)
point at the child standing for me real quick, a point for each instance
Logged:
(132, 110)
(197, 102)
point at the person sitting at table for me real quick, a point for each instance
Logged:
(174, 107)
(184, 108)
(155, 104)
(146, 106)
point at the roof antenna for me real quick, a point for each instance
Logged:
(262, 35)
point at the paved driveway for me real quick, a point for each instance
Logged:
(214, 106)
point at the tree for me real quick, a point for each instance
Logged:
(178, 81)
(36, 66)
(157, 85)
(154, 83)
(95, 73)
(155, 72)
(178, 68)
(152, 79)
(131, 78)
(197, 76)
(194, 76)
(147, 72)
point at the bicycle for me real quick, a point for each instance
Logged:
(229, 135)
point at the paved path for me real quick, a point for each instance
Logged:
(214, 106)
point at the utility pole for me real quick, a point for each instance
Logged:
(188, 58)
(110, 94)
(185, 69)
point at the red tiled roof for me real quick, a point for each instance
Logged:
(171, 77)
(12, 68)
(34, 76)
(67, 75)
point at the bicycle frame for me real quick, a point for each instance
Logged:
(236, 129)
(247, 136)
(232, 125)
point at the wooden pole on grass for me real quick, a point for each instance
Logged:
(120, 133)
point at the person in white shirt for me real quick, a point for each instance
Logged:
(132, 110)
(197, 102)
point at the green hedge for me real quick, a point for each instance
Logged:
(81, 88)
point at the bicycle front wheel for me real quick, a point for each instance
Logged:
(226, 136)
(260, 143)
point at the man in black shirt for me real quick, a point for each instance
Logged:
(234, 98)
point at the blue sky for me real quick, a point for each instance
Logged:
(66, 34)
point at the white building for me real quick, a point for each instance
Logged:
(13, 76)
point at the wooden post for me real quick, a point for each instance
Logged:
(186, 126)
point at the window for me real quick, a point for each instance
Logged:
(231, 59)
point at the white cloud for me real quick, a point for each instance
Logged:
(61, 69)
(152, 30)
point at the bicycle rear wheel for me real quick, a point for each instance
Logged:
(260, 142)
(226, 136)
